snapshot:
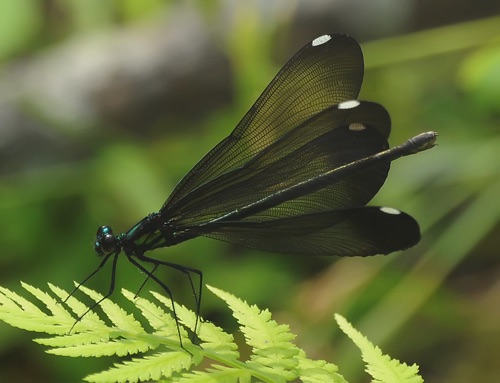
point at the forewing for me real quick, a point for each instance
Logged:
(325, 142)
(325, 72)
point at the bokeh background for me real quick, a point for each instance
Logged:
(105, 105)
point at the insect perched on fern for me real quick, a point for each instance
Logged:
(294, 176)
(152, 339)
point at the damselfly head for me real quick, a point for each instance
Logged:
(106, 242)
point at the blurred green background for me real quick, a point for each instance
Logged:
(104, 106)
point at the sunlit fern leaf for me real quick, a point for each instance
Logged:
(118, 316)
(272, 349)
(153, 338)
(157, 317)
(318, 371)
(381, 367)
(216, 374)
(20, 312)
(146, 368)
(77, 310)
(214, 338)
(103, 340)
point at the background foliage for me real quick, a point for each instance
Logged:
(70, 162)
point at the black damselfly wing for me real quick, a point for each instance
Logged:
(293, 133)
(325, 72)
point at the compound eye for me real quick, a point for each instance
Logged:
(106, 241)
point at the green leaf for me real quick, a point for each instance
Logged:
(214, 338)
(146, 368)
(381, 367)
(217, 374)
(154, 337)
(318, 371)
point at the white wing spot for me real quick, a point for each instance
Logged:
(348, 104)
(390, 210)
(356, 127)
(321, 40)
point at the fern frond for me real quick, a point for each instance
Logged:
(381, 367)
(273, 351)
(19, 312)
(215, 342)
(217, 374)
(318, 371)
(125, 337)
(152, 336)
(146, 368)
